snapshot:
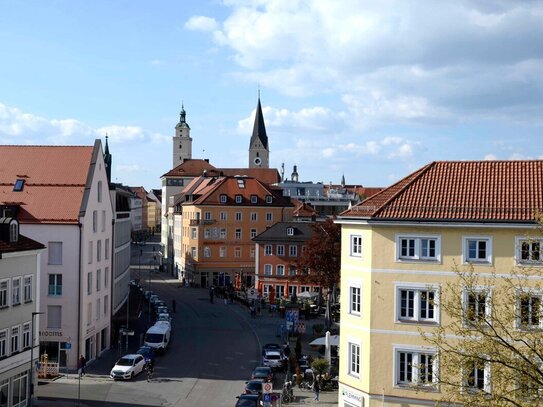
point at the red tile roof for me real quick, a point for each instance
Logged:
(23, 244)
(302, 209)
(195, 167)
(492, 191)
(55, 178)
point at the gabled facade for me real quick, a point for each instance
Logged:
(19, 301)
(278, 249)
(217, 218)
(399, 249)
(63, 202)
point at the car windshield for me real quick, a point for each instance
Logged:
(262, 371)
(154, 338)
(125, 362)
(254, 385)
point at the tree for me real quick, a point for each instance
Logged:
(320, 262)
(490, 343)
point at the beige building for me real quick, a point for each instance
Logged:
(399, 248)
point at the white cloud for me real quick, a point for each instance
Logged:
(18, 127)
(201, 23)
(490, 157)
(391, 61)
(132, 168)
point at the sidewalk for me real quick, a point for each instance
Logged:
(265, 327)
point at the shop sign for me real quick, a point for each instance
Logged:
(49, 334)
(351, 397)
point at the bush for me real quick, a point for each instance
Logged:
(320, 366)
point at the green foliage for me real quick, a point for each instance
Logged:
(320, 366)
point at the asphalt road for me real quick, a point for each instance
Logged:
(211, 355)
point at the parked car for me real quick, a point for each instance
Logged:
(248, 400)
(264, 373)
(158, 336)
(127, 367)
(147, 295)
(161, 310)
(164, 317)
(253, 386)
(271, 346)
(147, 352)
(154, 298)
(273, 359)
(159, 303)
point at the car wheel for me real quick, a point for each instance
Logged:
(131, 375)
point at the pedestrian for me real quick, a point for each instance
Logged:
(82, 364)
(286, 350)
(211, 294)
(316, 389)
(173, 305)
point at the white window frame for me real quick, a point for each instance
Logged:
(418, 248)
(293, 250)
(280, 270)
(253, 233)
(254, 216)
(237, 234)
(207, 215)
(222, 251)
(519, 241)
(15, 339)
(237, 252)
(416, 353)
(418, 290)
(354, 349)
(268, 269)
(27, 326)
(280, 249)
(222, 233)
(254, 199)
(355, 298)
(238, 216)
(290, 231)
(207, 251)
(223, 198)
(56, 285)
(54, 253)
(89, 283)
(16, 290)
(488, 302)
(487, 384)
(239, 199)
(356, 245)
(268, 250)
(4, 293)
(465, 250)
(532, 294)
(98, 280)
(269, 199)
(4, 343)
(223, 215)
(28, 286)
(269, 216)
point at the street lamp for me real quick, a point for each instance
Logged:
(32, 358)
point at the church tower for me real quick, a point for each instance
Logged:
(107, 162)
(259, 154)
(182, 143)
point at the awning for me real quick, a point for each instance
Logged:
(334, 341)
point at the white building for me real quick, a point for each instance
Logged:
(63, 200)
(19, 299)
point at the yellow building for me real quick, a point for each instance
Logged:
(399, 248)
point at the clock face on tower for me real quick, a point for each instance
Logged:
(257, 161)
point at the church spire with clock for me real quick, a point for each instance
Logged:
(182, 142)
(259, 153)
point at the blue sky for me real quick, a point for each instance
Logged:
(369, 89)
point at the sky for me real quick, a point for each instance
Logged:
(372, 90)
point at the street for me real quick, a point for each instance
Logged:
(213, 351)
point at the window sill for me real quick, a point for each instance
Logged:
(416, 322)
(28, 301)
(409, 260)
(477, 262)
(355, 314)
(16, 305)
(429, 388)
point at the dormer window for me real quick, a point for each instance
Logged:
(19, 184)
(13, 231)
(241, 183)
(290, 231)
(254, 199)
(269, 199)
(223, 198)
(239, 199)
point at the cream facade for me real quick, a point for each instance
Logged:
(400, 249)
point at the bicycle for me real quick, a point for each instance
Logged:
(287, 395)
(149, 370)
(305, 385)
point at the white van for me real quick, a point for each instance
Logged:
(158, 337)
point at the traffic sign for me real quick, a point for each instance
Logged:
(267, 397)
(267, 388)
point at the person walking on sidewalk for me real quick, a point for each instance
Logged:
(82, 364)
(316, 389)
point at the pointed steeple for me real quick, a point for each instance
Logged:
(107, 161)
(259, 128)
(343, 181)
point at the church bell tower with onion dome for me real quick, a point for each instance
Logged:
(182, 143)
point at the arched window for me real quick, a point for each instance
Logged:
(13, 231)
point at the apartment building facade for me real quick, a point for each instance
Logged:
(217, 218)
(63, 202)
(399, 250)
(19, 303)
(278, 249)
